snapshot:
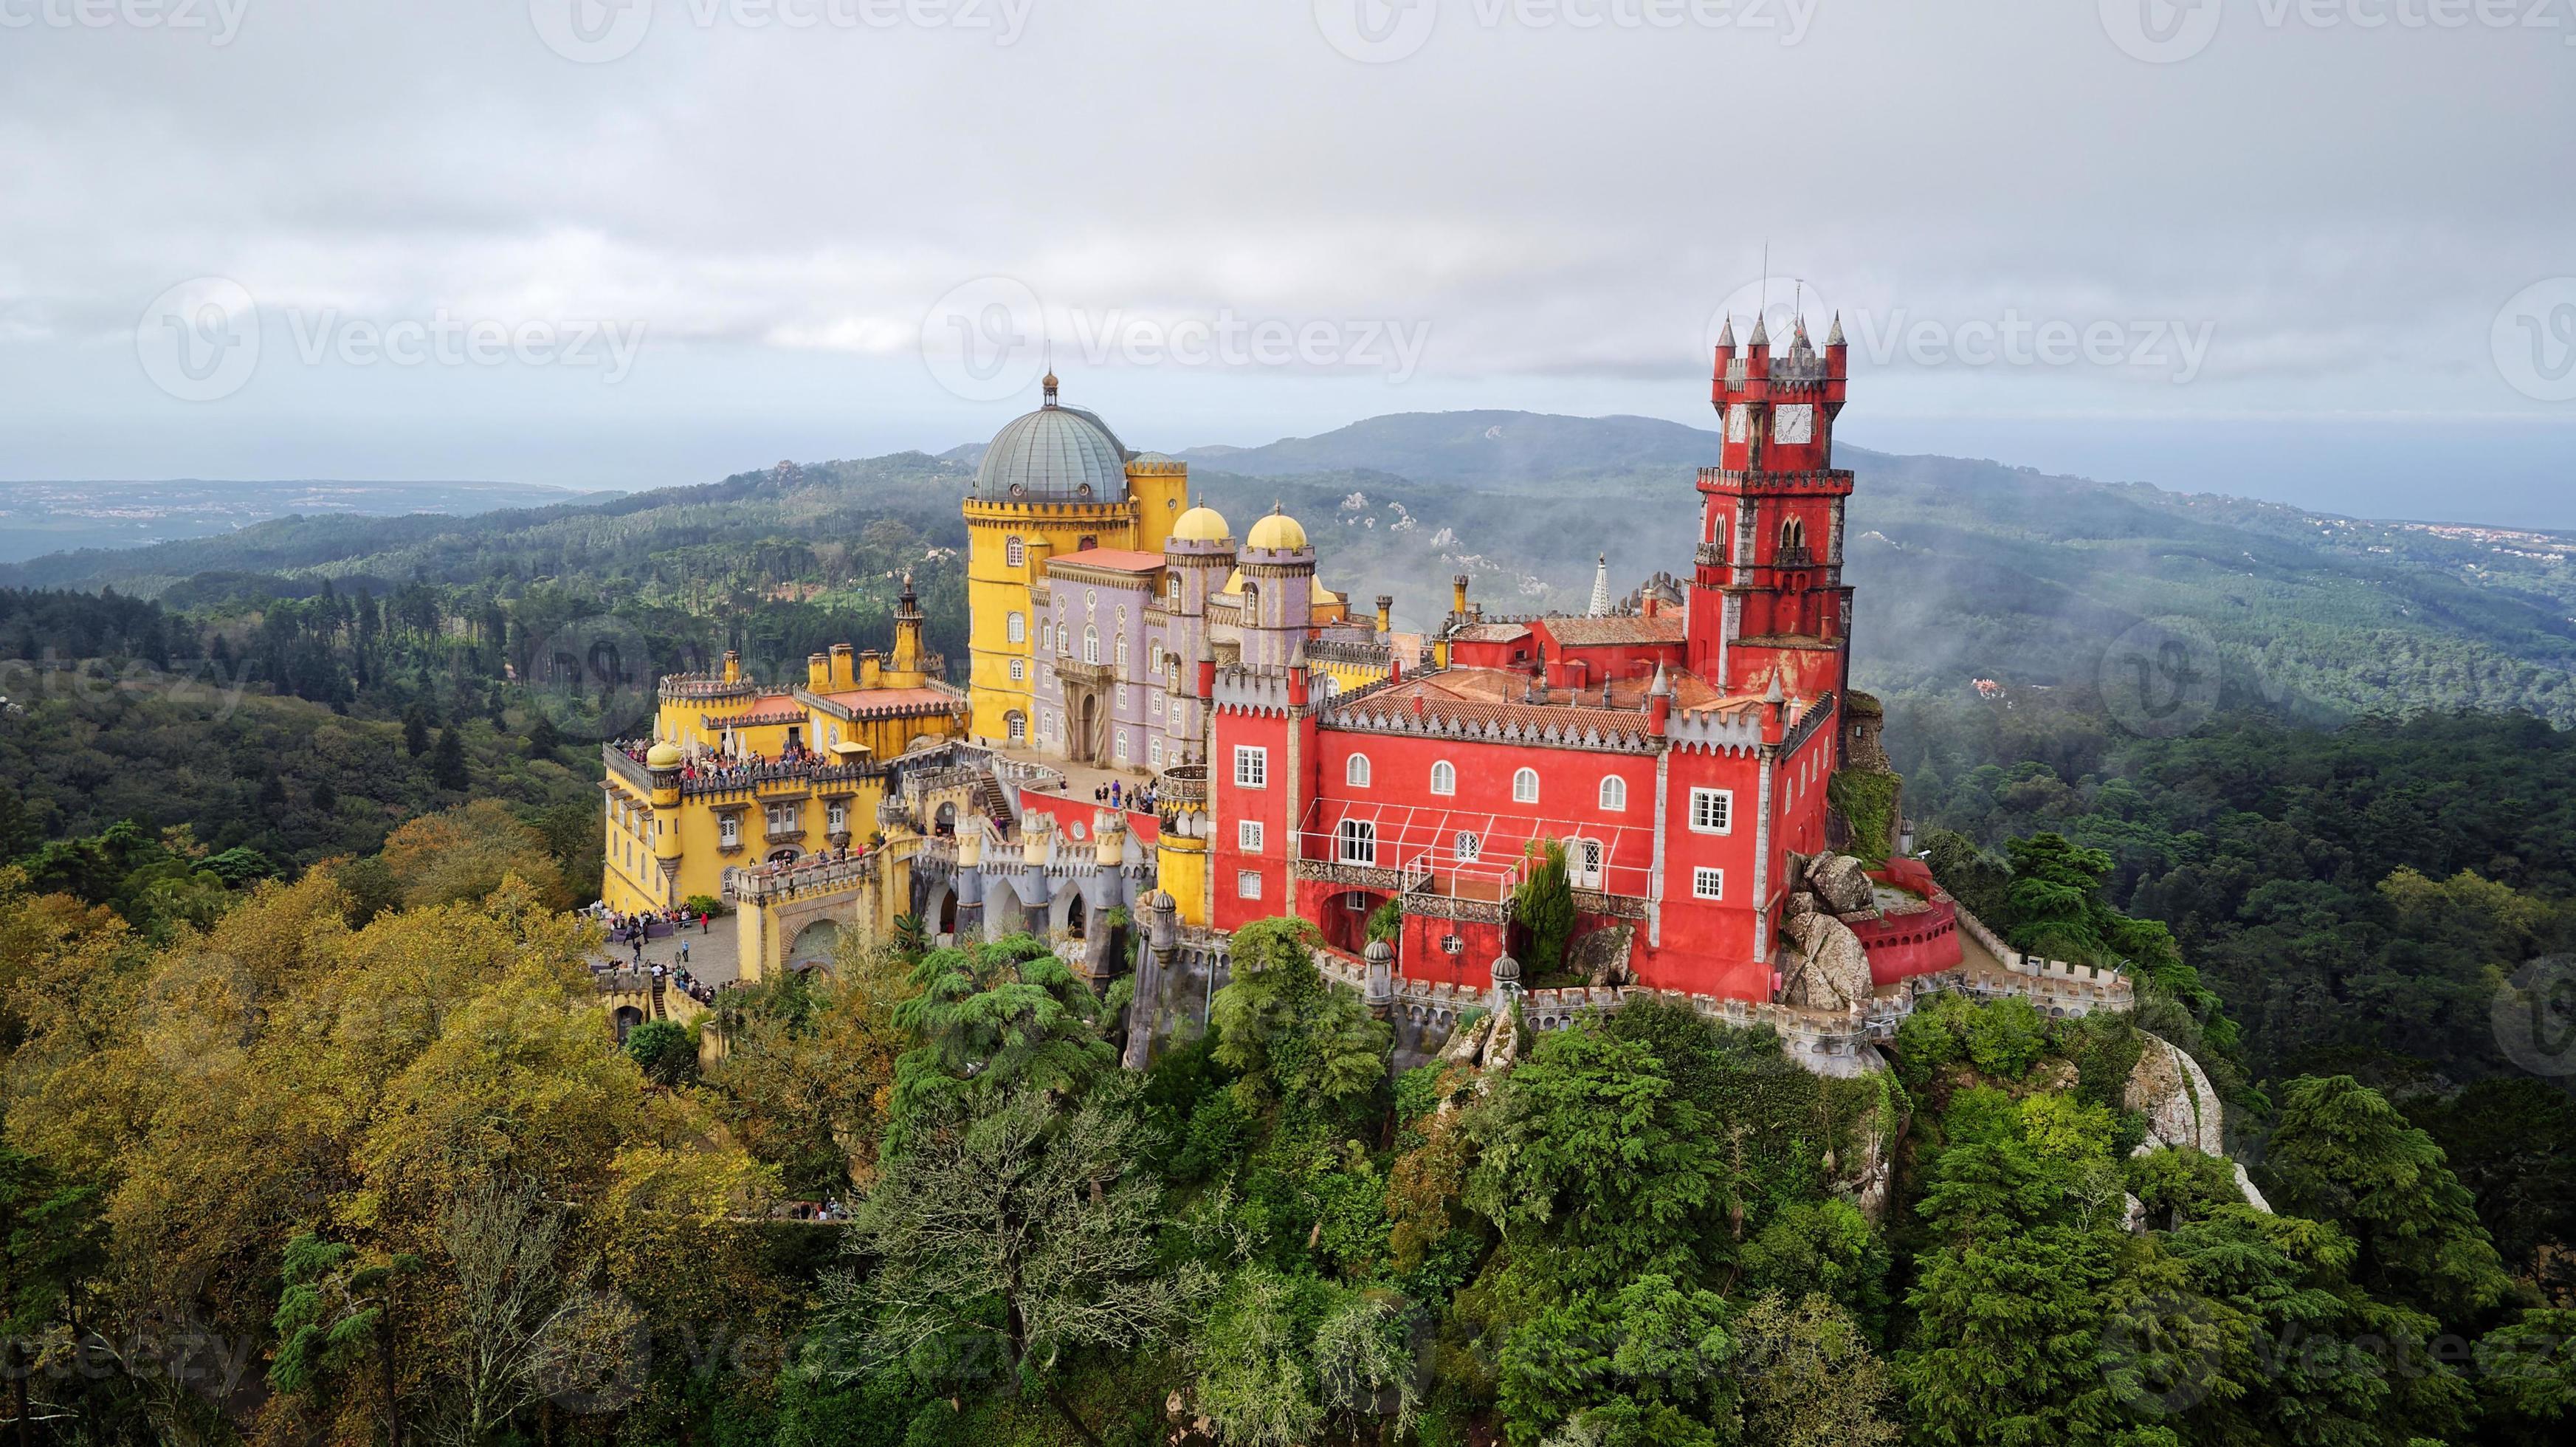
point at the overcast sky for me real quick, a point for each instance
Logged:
(564, 241)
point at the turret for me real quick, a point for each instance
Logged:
(1659, 704)
(1385, 612)
(909, 659)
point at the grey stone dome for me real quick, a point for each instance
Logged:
(1055, 454)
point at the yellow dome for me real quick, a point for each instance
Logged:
(1202, 524)
(662, 756)
(1278, 531)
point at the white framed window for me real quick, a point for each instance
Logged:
(1586, 860)
(729, 831)
(1614, 794)
(1172, 587)
(1016, 627)
(839, 815)
(1356, 772)
(1712, 811)
(1247, 835)
(1154, 748)
(1090, 645)
(1444, 777)
(1122, 655)
(1707, 883)
(1359, 842)
(1251, 767)
(1158, 703)
(1016, 724)
(1019, 670)
(1247, 884)
(1453, 944)
(1061, 635)
(1122, 746)
(1015, 552)
(1469, 846)
(1525, 787)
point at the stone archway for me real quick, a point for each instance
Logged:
(815, 945)
(626, 1018)
(1087, 746)
(1346, 917)
(943, 822)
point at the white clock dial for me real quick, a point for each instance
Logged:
(1794, 424)
(1739, 422)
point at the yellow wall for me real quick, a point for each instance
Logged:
(1180, 870)
(1159, 492)
(995, 590)
(634, 879)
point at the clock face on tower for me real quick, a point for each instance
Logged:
(1739, 422)
(1794, 423)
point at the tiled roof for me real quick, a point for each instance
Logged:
(1600, 632)
(891, 700)
(1489, 633)
(1115, 560)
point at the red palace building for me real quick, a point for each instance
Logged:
(1681, 755)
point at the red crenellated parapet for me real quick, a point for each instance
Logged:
(1902, 944)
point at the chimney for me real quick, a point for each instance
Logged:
(844, 673)
(1385, 612)
(1653, 603)
(818, 670)
(1458, 595)
(732, 666)
(1297, 684)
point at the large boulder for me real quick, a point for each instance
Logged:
(1842, 882)
(1601, 957)
(1832, 970)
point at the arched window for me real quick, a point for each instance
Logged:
(1525, 787)
(1091, 645)
(1172, 587)
(1016, 628)
(1088, 544)
(1614, 794)
(1444, 778)
(1793, 536)
(1122, 655)
(1016, 724)
(1060, 637)
(1356, 772)
(1015, 552)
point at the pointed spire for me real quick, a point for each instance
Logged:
(1775, 695)
(1834, 338)
(1801, 330)
(1726, 334)
(1601, 588)
(1662, 686)
(1761, 331)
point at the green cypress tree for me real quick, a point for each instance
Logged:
(447, 767)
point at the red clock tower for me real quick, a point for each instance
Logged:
(1768, 600)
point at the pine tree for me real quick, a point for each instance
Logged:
(447, 768)
(416, 730)
(1544, 906)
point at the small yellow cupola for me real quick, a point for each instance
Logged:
(1201, 524)
(1278, 533)
(663, 755)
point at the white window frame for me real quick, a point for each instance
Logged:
(1015, 628)
(1468, 847)
(1016, 725)
(1090, 644)
(1247, 884)
(1444, 778)
(729, 830)
(1247, 835)
(1154, 751)
(1708, 882)
(1121, 747)
(1614, 794)
(1355, 843)
(1525, 786)
(1356, 772)
(837, 817)
(1587, 862)
(1015, 551)
(1251, 767)
(1019, 670)
(1702, 801)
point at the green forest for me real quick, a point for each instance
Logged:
(312, 1130)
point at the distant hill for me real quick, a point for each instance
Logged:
(1967, 569)
(46, 517)
(1495, 450)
